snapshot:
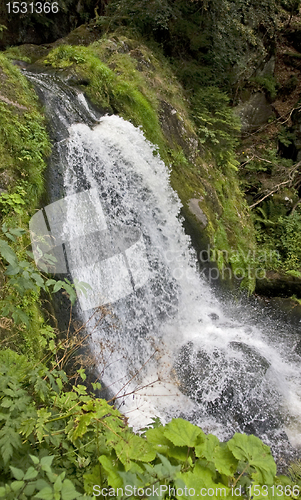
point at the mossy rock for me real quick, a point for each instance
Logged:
(278, 284)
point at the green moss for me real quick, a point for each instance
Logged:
(23, 146)
(24, 141)
(108, 90)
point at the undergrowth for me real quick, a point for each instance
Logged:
(24, 144)
(58, 441)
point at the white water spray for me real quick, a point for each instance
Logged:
(161, 336)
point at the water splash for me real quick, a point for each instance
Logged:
(168, 343)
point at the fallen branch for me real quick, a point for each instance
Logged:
(276, 188)
(8, 101)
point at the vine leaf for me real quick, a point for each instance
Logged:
(114, 478)
(133, 447)
(251, 449)
(223, 459)
(7, 253)
(17, 473)
(207, 447)
(82, 425)
(182, 433)
(200, 480)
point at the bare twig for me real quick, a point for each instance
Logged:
(276, 188)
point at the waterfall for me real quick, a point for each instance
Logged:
(164, 344)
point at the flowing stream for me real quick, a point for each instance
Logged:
(164, 344)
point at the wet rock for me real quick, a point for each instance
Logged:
(255, 360)
(268, 67)
(233, 385)
(275, 284)
(254, 112)
(194, 208)
(6, 180)
(175, 131)
(213, 316)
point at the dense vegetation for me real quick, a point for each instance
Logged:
(59, 442)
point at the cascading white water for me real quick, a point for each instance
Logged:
(166, 340)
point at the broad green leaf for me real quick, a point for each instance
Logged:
(182, 433)
(68, 491)
(17, 473)
(20, 316)
(45, 494)
(156, 437)
(92, 478)
(251, 449)
(35, 460)
(180, 453)
(46, 463)
(38, 279)
(17, 231)
(31, 473)
(82, 374)
(168, 469)
(10, 237)
(131, 447)
(12, 270)
(40, 484)
(58, 483)
(200, 483)
(7, 253)
(113, 477)
(29, 490)
(58, 285)
(82, 424)
(207, 446)
(50, 282)
(96, 386)
(224, 461)
(17, 485)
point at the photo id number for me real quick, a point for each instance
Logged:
(32, 8)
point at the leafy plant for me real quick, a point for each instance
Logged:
(2, 28)
(60, 442)
(217, 126)
(23, 278)
(268, 83)
(12, 201)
